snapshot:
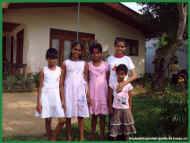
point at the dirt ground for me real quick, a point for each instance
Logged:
(18, 117)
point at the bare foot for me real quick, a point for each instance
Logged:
(92, 136)
(53, 139)
(81, 139)
(102, 137)
(69, 138)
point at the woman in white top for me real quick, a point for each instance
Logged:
(50, 99)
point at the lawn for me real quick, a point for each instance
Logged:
(146, 111)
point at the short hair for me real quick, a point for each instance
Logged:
(51, 53)
(122, 67)
(117, 40)
(95, 45)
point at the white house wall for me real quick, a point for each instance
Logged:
(38, 21)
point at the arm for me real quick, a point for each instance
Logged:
(61, 87)
(86, 77)
(63, 67)
(107, 76)
(110, 99)
(132, 76)
(39, 105)
(130, 99)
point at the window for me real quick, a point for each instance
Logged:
(62, 39)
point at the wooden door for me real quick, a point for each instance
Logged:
(62, 39)
(20, 43)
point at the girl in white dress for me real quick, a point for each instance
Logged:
(76, 89)
(50, 98)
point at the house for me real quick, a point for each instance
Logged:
(29, 29)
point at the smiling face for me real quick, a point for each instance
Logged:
(76, 52)
(121, 75)
(120, 47)
(96, 55)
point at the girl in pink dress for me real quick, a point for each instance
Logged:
(98, 79)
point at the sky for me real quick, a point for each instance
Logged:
(133, 5)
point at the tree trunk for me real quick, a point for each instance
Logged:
(176, 43)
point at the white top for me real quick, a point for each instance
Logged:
(121, 99)
(114, 61)
(51, 77)
(50, 94)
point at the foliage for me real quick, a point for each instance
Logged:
(162, 18)
(9, 82)
(19, 82)
(173, 116)
(168, 20)
(36, 78)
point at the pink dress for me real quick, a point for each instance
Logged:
(98, 88)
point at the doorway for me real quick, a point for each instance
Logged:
(62, 39)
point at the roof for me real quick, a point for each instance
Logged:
(116, 10)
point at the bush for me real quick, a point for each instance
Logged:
(145, 80)
(19, 83)
(36, 79)
(173, 116)
(9, 82)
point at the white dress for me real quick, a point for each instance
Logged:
(50, 94)
(75, 88)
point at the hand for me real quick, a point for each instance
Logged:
(89, 101)
(120, 86)
(110, 110)
(63, 106)
(39, 108)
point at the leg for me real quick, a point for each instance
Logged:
(58, 128)
(102, 127)
(81, 127)
(113, 138)
(93, 126)
(126, 137)
(68, 126)
(48, 127)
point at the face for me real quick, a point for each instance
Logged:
(120, 48)
(120, 75)
(52, 62)
(96, 55)
(76, 51)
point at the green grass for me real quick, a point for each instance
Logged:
(146, 111)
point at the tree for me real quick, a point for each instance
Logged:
(167, 19)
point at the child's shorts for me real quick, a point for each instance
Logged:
(122, 123)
